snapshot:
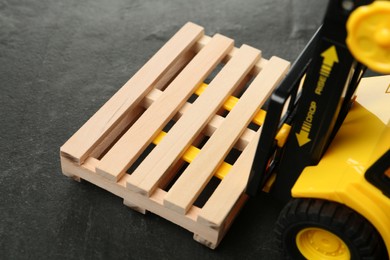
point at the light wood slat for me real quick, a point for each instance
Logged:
(256, 69)
(79, 146)
(191, 153)
(212, 125)
(196, 176)
(153, 203)
(148, 174)
(147, 127)
(230, 190)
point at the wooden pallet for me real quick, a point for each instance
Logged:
(165, 136)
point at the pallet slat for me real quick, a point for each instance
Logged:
(196, 176)
(148, 174)
(79, 146)
(147, 127)
(223, 200)
(214, 123)
(153, 203)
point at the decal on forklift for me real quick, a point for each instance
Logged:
(330, 57)
(388, 89)
(303, 135)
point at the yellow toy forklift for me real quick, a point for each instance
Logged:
(332, 168)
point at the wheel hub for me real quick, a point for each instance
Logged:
(317, 243)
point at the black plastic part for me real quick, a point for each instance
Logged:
(349, 96)
(287, 88)
(317, 112)
(361, 238)
(376, 174)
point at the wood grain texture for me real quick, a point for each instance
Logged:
(148, 174)
(79, 146)
(153, 203)
(147, 127)
(212, 125)
(196, 176)
(231, 188)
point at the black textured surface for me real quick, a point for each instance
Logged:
(59, 62)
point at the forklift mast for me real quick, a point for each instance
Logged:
(331, 76)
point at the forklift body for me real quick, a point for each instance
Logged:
(333, 167)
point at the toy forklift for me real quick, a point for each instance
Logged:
(204, 124)
(335, 161)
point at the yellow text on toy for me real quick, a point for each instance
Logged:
(330, 58)
(303, 135)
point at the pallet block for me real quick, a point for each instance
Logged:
(166, 135)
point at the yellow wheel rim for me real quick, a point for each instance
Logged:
(369, 35)
(317, 243)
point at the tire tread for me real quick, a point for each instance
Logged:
(335, 217)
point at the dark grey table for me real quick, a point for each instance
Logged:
(59, 62)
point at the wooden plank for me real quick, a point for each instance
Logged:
(230, 190)
(149, 173)
(224, 227)
(147, 127)
(79, 146)
(102, 147)
(153, 204)
(212, 125)
(132, 115)
(257, 67)
(196, 176)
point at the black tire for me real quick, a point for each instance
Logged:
(299, 215)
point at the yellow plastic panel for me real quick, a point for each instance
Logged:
(340, 174)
